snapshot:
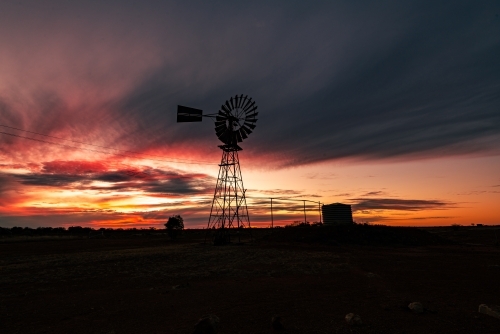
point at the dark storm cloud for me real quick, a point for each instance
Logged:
(179, 187)
(355, 79)
(394, 80)
(369, 204)
(51, 180)
(81, 175)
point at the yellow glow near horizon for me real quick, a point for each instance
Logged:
(467, 188)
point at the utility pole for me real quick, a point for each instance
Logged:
(319, 210)
(305, 217)
(272, 219)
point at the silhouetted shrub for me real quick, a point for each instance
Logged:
(78, 230)
(174, 226)
(356, 234)
(4, 231)
(17, 230)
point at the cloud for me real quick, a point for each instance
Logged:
(374, 193)
(479, 192)
(73, 167)
(332, 81)
(280, 192)
(432, 217)
(81, 175)
(420, 92)
(368, 204)
(194, 213)
(320, 176)
(51, 180)
(7, 189)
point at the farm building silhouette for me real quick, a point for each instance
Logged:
(336, 214)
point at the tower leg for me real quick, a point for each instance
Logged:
(229, 212)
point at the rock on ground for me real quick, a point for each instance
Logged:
(416, 307)
(353, 319)
(276, 323)
(207, 325)
(492, 310)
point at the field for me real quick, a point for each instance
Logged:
(311, 277)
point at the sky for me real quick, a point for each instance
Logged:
(390, 106)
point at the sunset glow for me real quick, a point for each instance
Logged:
(363, 106)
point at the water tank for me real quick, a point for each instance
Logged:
(337, 213)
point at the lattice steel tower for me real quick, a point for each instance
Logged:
(234, 122)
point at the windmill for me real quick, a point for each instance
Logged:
(233, 123)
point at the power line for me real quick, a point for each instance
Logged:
(126, 155)
(100, 146)
(192, 162)
(283, 199)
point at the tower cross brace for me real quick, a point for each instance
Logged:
(229, 210)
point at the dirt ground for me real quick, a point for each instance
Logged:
(150, 284)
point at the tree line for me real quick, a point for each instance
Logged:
(72, 230)
(174, 226)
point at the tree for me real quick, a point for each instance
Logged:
(174, 226)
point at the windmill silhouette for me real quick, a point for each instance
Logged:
(233, 123)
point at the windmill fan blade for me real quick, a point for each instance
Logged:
(252, 115)
(219, 130)
(231, 103)
(251, 119)
(238, 136)
(250, 110)
(220, 118)
(224, 111)
(249, 106)
(224, 136)
(247, 102)
(233, 139)
(243, 134)
(228, 106)
(236, 101)
(220, 124)
(242, 100)
(246, 129)
(250, 125)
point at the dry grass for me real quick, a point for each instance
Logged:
(126, 285)
(183, 262)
